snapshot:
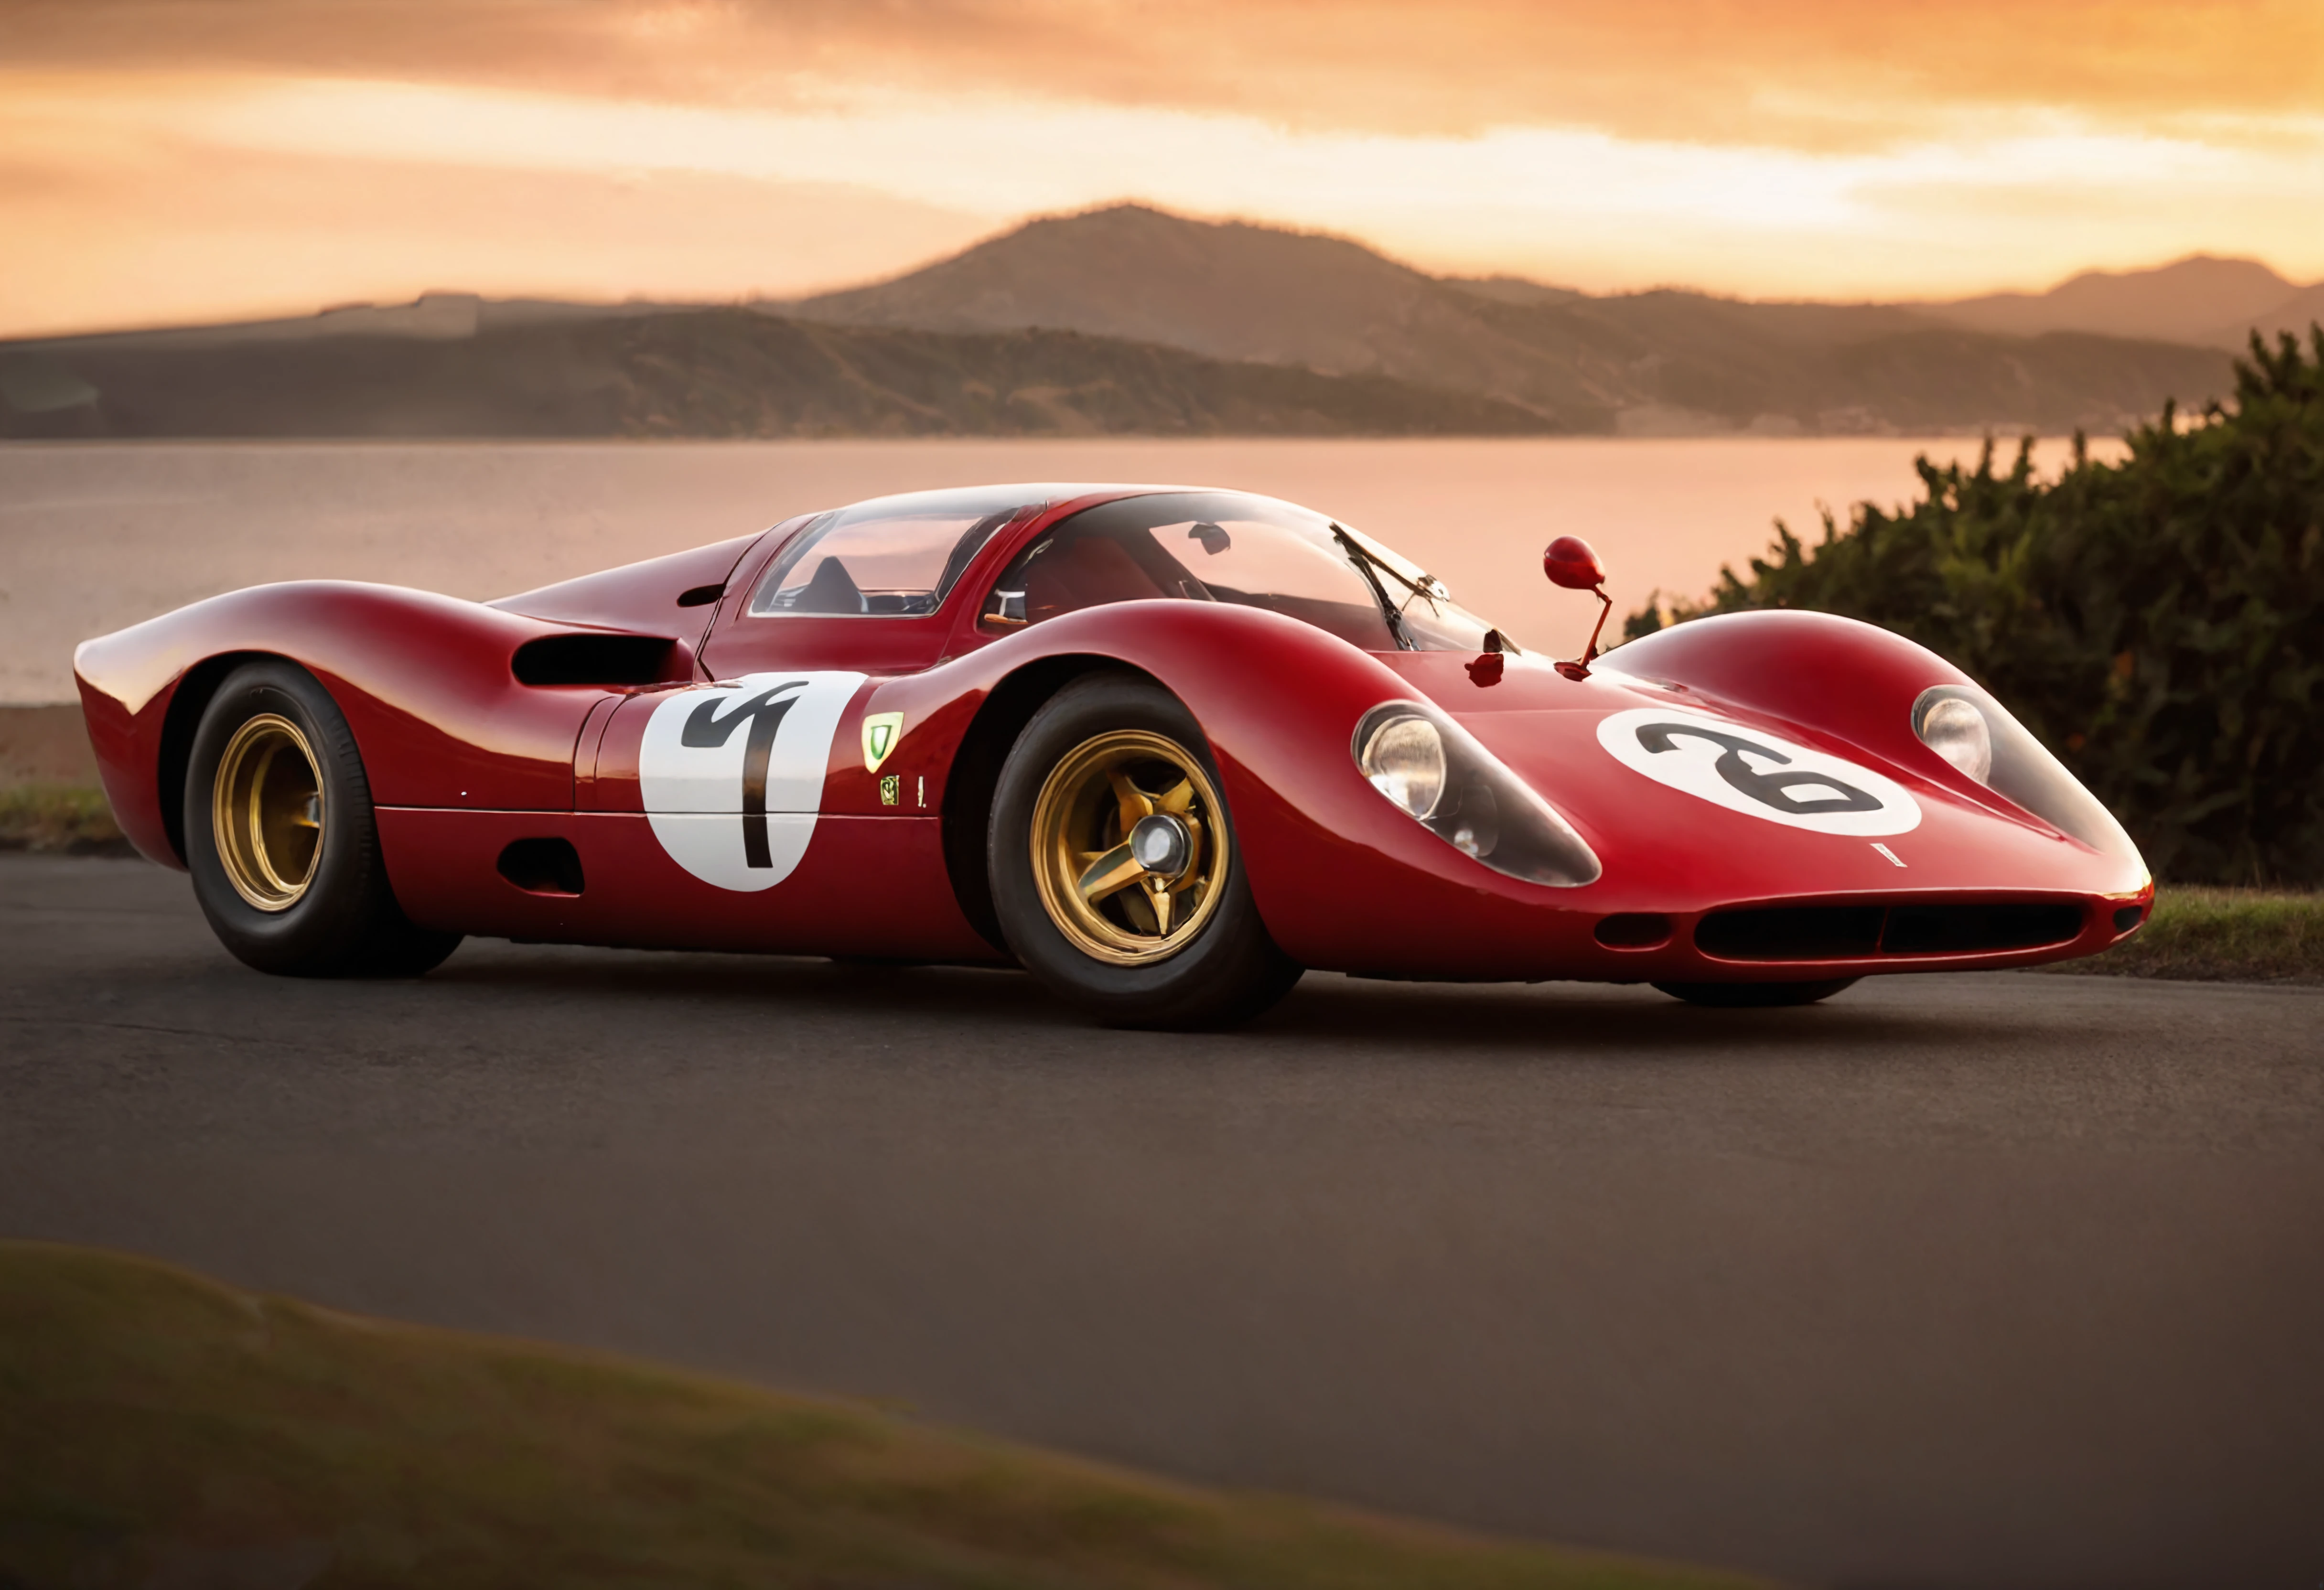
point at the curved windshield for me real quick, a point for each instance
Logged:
(1224, 546)
(894, 555)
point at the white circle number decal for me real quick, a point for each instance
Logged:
(733, 772)
(1753, 772)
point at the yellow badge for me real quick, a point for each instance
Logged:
(881, 730)
(891, 788)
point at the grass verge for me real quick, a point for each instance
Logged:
(155, 1425)
(60, 818)
(2213, 935)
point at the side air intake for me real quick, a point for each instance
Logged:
(595, 659)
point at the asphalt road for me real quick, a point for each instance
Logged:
(1985, 1280)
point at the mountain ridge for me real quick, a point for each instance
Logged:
(2201, 299)
(1130, 319)
(1656, 360)
(698, 372)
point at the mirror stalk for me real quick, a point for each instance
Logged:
(1571, 563)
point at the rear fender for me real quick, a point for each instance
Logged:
(426, 682)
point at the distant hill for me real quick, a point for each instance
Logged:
(1230, 290)
(1643, 362)
(1131, 320)
(2199, 299)
(568, 371)
(2295, 314)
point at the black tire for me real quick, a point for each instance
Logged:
(1225, 972)
(342, 920)
(1755, 996)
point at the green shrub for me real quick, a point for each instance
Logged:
(60, 817)
(2159, 622)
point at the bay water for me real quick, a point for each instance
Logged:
(95, 536)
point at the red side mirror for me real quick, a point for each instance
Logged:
(1572, 562)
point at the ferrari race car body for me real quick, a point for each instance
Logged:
(1163, 747)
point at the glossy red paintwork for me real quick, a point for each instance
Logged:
(643, 596)
(463, 759)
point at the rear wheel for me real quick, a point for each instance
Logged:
(282, 841)
(1754, 996)
(1115, 871)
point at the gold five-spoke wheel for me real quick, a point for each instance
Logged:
(266, 809)
(1129, 856)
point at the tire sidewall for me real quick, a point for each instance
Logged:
(329, 924)
(1213, 978)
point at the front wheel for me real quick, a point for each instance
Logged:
(1754, 996)
(1115, 870)
(281, 838)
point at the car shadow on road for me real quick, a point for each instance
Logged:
(1330, 1011)
(1573, 1018)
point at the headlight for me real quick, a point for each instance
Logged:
(1970, 729)
(1956, 731)
(1404, 756)
(1436, 771)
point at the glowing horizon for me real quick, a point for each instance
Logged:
(194, 162)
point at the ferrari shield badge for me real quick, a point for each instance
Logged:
(1757, 774)
(881, 730)
(733, 772)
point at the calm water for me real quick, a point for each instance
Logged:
(97, 536)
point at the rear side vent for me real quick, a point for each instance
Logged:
(1862, 933)
(594, 659)
(542, 866)
(701, 595)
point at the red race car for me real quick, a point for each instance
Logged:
(1163, 748)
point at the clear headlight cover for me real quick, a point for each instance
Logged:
(1970, 729)
(1404, 756)
(1436, 771)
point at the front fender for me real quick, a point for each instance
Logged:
(1344, 879)
(1825, 675)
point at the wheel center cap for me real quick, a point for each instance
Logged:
(1161, 845)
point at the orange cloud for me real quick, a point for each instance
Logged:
(1822, 74)
(170, 159)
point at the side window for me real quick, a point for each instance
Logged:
(896, 556)
(1206, 546)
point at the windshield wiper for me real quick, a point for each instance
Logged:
(1372, 568)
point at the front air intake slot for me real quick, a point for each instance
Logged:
(1963, 930)
(595, 659)
(1866, 932)
(1792, 932)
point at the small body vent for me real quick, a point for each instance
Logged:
(594, 659)
(1864, 933)
(542, 866)
(1635, 930)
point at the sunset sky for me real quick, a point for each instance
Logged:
(171, 160)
